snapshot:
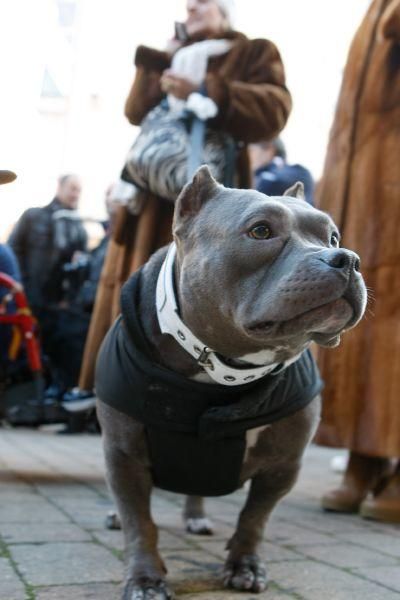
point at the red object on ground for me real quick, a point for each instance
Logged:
(23, 320)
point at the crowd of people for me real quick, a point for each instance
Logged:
(230, 92)
(48, 253)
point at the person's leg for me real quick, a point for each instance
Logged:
(362, 475)
(48, 319)
(101, 316)
(68, 342)
(385, 505)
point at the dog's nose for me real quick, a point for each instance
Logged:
(339, 258)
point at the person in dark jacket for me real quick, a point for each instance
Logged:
(44, 239)
(70, 329)
(273, 175)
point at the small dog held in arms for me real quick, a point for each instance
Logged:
(206, 379)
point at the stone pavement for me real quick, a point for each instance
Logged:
(53, 545)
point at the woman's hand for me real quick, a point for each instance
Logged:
(177, 86)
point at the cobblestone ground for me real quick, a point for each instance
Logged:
(53, 545)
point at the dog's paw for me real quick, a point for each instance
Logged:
(112, 521)
(147, 590)
(200, 526)
(246, 574)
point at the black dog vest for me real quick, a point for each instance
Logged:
(196, 432)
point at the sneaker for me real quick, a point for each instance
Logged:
(77, 400)
(53, 393)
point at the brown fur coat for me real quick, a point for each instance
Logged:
(248, 86)
(360, 188)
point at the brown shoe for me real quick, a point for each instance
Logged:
(362, 475)
(385, 506)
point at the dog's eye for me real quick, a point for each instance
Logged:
(260, 232)
(335, 240)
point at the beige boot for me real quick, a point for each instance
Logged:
(362, 475)
(385, 506)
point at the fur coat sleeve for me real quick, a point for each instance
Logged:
(249, 89)
(247, 84)
(390, 24)
(145, 92)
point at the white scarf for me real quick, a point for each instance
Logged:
(191, 63)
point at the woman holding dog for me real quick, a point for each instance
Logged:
(238, 85)
(361, 189)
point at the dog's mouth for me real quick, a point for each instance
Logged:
(324, 322)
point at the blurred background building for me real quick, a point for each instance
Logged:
(66, 67)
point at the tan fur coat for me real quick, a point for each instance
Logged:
(360, 188)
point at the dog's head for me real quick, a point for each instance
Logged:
(258, 273)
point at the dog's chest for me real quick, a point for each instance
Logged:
(263, 357)
(252, 437)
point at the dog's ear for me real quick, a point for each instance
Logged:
(296, 191)
(194, 195)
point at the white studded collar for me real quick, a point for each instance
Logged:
(171, 323)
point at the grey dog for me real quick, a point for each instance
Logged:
(256, 279)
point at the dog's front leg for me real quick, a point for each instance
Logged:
(244, 570)
(273, 468)
(129, 478)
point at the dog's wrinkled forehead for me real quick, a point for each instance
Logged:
(219, 210)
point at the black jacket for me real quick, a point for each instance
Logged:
(196, 431)
(43, 240)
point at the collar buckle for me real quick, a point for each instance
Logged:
(204, 361)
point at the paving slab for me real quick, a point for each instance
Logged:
(347, 556)
(31, 510)
(269, 552)
(189, 564)
(315, 581)
(290, 534)
(36, 533)
(61, 491)
(386, 543)
(233, 595)
(62, 563)
(387, 576)
(95, 591)
(111, 539)
(11, 586)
